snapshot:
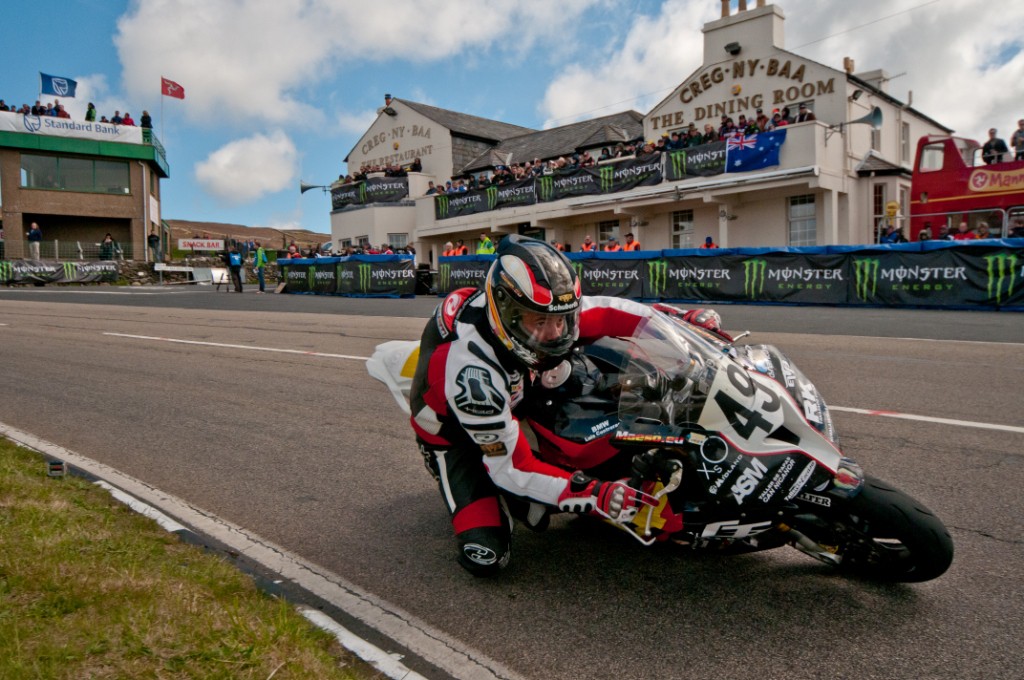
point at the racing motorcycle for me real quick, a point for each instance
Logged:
(733, 441)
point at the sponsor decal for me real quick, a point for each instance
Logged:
(441, 203)
(566, 297)
(606, 175)
(865, 273)
(753, 277)
(801, 481)
(479, 554)
(69, 270)
(713, 489)
(1002, 271)
(812, 407)
(365, 276)
(713, 449)
(444, 276)
(657, 271)
(733, 529)
(777, 479)
(546, 187)
(485, 437)
(477, 395)
(748, 481)
(814, 499)
(492, 197)
(496, 449)
(996, 180)
(6, 271)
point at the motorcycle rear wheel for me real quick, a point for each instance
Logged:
(889, 536)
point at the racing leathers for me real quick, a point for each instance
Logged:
(464, 399)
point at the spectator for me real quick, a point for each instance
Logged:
(762, 121)
(982, 231)
(460, 248)
(38, 109)
(486, 247)
(293, 251)
(103, 119)
(35, 236)
(588, 245)
(787, 116)
(1017, 231)
(3, 106)
(605, 154)
(556, 245)
(1017, 141)
(994, 149)
(612, 246)
(107, 247)
(631, 244)
(710, 135)
(417, 165)
(259, 263)
(926, 232)
(709, 243)
(944, 234)
(893, 235)
(154, 244)
(449, 250)
(385, 249)
(127, 119)
(964, 233)
(117, 120)
(431, 189)
(61, 113)
(234, 263)
(145, 121)
(804, 114)
(90, 113)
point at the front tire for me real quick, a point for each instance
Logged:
(887, 535)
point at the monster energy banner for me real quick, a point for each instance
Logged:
(602, 179)
(372, 190)
(359, 276)
(523, 192)
(696, 161)
(461, 272)
(617, 277)
(466, 203)
(36, 271)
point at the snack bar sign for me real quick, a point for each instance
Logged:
(200, 244)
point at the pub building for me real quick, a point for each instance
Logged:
(829, 184)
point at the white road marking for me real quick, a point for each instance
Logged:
(450, 655)
(845, 409)
(928, 419)
(386, 663)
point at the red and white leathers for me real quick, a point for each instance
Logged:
(464, 399)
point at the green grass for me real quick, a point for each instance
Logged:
(90, 589)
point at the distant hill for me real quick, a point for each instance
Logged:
(271, 238)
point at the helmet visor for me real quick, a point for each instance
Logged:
(546, 335)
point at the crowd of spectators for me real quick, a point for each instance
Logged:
(57, 110)
(389, 170)
(995, 149)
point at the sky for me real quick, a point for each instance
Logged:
(278, 91)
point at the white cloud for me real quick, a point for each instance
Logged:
(246, 169)
(962, 60)
(248, 59)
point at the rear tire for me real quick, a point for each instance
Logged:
(889, 536)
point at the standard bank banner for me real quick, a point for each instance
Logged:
(66, 127)
(37, 271)
(359, 275)
(372, 190)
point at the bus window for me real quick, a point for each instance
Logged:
(932, 156)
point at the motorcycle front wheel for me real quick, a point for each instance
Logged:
(886, 535)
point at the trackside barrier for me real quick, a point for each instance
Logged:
(986, 273)
(354, 276)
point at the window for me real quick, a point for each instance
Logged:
(346, 243)
(682, 229)
(877, 208)
(905, 142)
(607, 229)
(932, 157)
(803, 225)
(904, 201)
(363, 241)
(876, 139)
(397, 241)
(74, 174)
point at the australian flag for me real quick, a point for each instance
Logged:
(753, 152)
(57, 86)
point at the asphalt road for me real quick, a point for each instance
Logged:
(310, 453)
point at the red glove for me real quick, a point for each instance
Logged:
(707, 319)
(617, 501)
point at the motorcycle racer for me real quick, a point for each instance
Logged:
(479, 355)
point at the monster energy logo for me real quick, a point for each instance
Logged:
(311, 278)
(866, 277)
(547, 187)
(1000, 268)
(607, 176)
(362, 192)
(753, 277)
(442, 207)
(657, 274)
(444, 275)
(492, 197)
(365, 277)
(6, 271)
(70, 270)
(678, 159)
(578, 266)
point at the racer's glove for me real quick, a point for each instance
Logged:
(617, 501)
(707, 319)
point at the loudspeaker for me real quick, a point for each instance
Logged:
(303, 187)
(874, 119)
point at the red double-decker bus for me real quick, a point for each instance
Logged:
(952, 184)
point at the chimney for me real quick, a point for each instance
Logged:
(725, 8)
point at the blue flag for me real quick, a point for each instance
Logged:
(57, 86)
(753, 152)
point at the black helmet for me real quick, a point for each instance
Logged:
(529, 276)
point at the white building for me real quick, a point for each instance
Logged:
(835, 176)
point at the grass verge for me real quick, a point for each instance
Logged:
(90, 589)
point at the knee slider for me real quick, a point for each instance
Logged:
(484, 551)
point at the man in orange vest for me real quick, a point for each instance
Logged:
(612, 246)
(588, 245)
(557, 246)
(630, 243)
(449, 250)
(460, 248)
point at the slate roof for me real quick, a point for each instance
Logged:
(564, 140)
(465, 124)
(873, 164)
